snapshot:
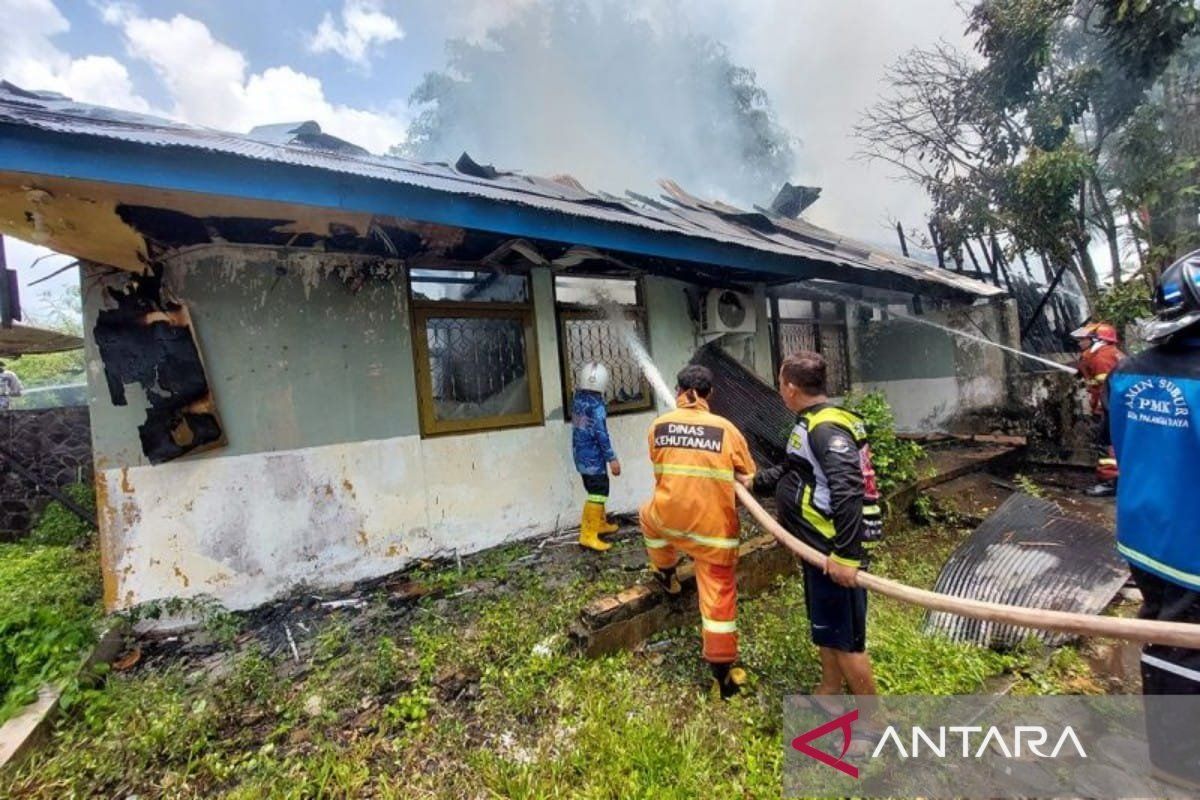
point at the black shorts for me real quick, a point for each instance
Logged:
(596, 487)
(837, 616)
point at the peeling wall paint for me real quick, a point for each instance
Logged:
(325, 478)
(246, 528)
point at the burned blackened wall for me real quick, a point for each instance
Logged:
(55, 445)
(144, 336)
(297, 354)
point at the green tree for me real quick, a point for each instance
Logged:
(63, 312)
(1027, 145)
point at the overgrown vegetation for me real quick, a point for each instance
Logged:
(480, 694)
(895, 459)
(59, 526)
(49, 607)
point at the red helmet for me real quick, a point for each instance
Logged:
(1105, 333)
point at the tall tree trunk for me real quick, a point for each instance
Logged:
(1108, 224)
(1091, 282)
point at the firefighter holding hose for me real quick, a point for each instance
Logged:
(1154, 401)
(826, 496)
(593, 451)
(1099, 356)
(697, 455)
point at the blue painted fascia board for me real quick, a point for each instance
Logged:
(38, 152)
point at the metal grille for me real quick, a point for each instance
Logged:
(477, 366)
(833, 348)
(795, 336)
(588, 337)
(828, 339)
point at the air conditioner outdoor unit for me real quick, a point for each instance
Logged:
(726, 311)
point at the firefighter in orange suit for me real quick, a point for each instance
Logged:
(1100, 356)
(696, 455)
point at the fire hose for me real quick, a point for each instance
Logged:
(1176, 634)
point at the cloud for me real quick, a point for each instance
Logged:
(364, 27)
(31, 60)
(210, 84)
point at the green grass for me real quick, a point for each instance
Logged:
(57, 525)
(49, 606)
(483, 697)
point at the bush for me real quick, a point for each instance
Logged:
(49, 605)
(59, 526)
(1124, 305)
(895, 459)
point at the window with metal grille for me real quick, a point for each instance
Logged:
(476, 351)
(595, 318)
(817, 326)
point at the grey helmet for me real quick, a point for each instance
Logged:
(1176, 300)
(592, 377)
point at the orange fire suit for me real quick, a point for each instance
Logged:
(695, 455)
(1094, 366)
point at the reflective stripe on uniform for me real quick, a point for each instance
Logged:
(872, 510)
(839, 415)
(719, 542)
(1192, 581)
(597, 498)
(718, 625)
(655, 544)
(1175, 669)
(1106, 462)
(813, 516)
(694, 472)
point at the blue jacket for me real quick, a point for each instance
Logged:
(1154, 408)
(589, 437)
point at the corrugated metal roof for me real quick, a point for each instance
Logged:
(675, 212)
(1029, 553)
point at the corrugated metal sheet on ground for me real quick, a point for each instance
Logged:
(1029, 553)
(749, 403)
(679, 213)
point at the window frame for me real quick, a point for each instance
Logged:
(839, 326)
(421, 310)
(563, 312)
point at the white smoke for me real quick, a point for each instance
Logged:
(607, 96)
(617, 118)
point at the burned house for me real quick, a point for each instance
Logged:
(310, 364)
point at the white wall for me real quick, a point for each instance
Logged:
(247, 528)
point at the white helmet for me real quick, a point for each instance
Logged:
(592, 377)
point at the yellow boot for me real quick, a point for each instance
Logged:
(606, 525)
(589, 527)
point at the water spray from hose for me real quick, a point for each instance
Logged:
(839, 297)
(617, 317)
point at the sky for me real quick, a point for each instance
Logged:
(352, 64)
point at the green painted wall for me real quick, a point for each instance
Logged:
(891, 350)
(297, 360)
(294, 360)
(547, 336)
(672, 335)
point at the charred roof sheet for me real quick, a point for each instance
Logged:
(674, 213)
(1029, 553)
